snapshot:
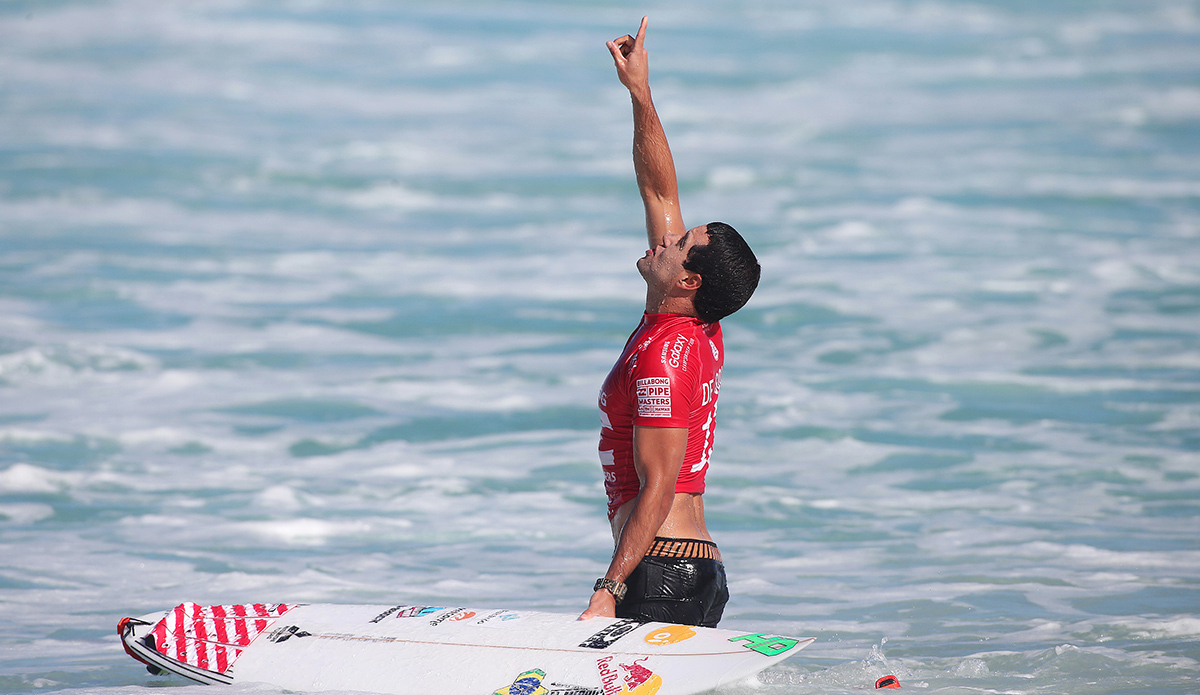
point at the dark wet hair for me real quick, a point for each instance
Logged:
(728, 273)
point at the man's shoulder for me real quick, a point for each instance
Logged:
(672, 348)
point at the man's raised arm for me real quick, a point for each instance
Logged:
(651, 154)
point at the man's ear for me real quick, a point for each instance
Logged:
(690, 281)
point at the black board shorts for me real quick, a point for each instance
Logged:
(683, 590)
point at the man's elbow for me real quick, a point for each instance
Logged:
(664, 507)
(659, 499)
(663, 499)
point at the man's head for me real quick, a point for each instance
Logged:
(728, 270)
(709, 267)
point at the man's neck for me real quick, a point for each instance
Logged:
(670, 305)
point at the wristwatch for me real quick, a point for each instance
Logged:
(617, 589)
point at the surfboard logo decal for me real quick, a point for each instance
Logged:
(637, 679)
(610, 634)
(501, 614)
(403, 611)
(531, 683)
(211, 637)
(769, 646)
(528, 683)
(455, 613)
(283, 634)
(562, 689)
(669, 635)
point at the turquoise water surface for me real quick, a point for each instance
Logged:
(310, 302)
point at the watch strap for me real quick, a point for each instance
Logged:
(612, 586)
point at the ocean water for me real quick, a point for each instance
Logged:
(310, 302)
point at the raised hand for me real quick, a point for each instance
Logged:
(629, 55)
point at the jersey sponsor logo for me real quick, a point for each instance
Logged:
(675, 354)
(669, 635)
(637, 679)
(715, 351)
(610, 634)
(654, 396)
(403, 611)
(763, 644)
(463, 616)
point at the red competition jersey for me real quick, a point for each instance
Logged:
(669, 375)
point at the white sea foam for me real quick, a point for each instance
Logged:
(23, 513)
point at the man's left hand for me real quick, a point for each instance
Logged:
(602, 605)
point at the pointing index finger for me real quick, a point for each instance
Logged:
(641, 35)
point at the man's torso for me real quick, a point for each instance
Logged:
(668, 375)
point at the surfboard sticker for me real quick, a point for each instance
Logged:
(627, 678)
(669, 634)
(455, 614)
(403, 611)
(498, 617)
(532, 682)
(212, 637)
(604, 638)
(765, 645)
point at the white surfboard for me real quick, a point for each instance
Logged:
(447, 650)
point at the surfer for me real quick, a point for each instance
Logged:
(658, 405)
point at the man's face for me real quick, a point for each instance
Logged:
(662, 265)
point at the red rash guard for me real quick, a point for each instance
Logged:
(669, 375)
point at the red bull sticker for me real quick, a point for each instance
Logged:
(632, 678)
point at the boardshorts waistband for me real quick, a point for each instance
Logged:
(683, 547)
